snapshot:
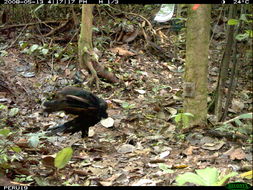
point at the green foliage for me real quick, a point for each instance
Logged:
(165, 168)
(13, 112)
(233, 22)
(243, 124)
(34, 50)
(3, 107)
(5, 113)
(67, 183)
(34, 139)
(101, 42)
(23, 178)
(247, 33)
(238, 118)
(45, 52)
(182, 119)
(8, 150)
(241, 121)
(3, 53)
(126, 105)
(180, 136)
(16, 149)
(148, 7)
(5, 132)
(204, 177)
(159, 87)
(63, 157)
(39, 7)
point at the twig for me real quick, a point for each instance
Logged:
(129, 13)
(17, 37)
(28, 24)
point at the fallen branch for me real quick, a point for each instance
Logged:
(28, 24)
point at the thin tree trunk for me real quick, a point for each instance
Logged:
(85, 43)
(220, 94)
(195, 78)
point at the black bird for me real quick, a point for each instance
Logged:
(88, 107)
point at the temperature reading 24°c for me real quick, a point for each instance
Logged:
(241, 1)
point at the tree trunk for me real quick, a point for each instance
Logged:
(85, 42)
(220, 94)
(195, 78)
(85, 50)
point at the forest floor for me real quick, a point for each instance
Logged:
(144, 147)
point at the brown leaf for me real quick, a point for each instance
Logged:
(213, 146)
(126, 148)
(130, 36)
(113, 177)
(105, 183)
(67, 72)
(48, 161)
(81, 172)
(238, 154)
(189, 150)
(22, 143)
(121, 51)
(237, 106)
(229, 152)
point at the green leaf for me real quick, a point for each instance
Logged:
(233, 22)
(243, 17)
(209, 175)
(95, 29)
(40, 6)
(13, 112)
(44, 51)
(34, 47)
(185, 121)
(25, 50)
(225, 178)
(34, 141)
(2, 107)
(189, 114)
(3, 53)
(189, 177)
(126, 105)
(56, 55)
(5, 132)
(16, 149)
(63, 157)
(23, 44)
(238, 122)
(85, 49)
(165, 168)
(204, 177)
(241, 37)
(250, 33)
(178, 117)
(243, 116)
(246, 116)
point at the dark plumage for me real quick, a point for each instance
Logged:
(89, 110)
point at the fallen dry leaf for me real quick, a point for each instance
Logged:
(213, 146)
(238, 154)
(126, 148)
(48, 161)
(121, 51)
(189, 150)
